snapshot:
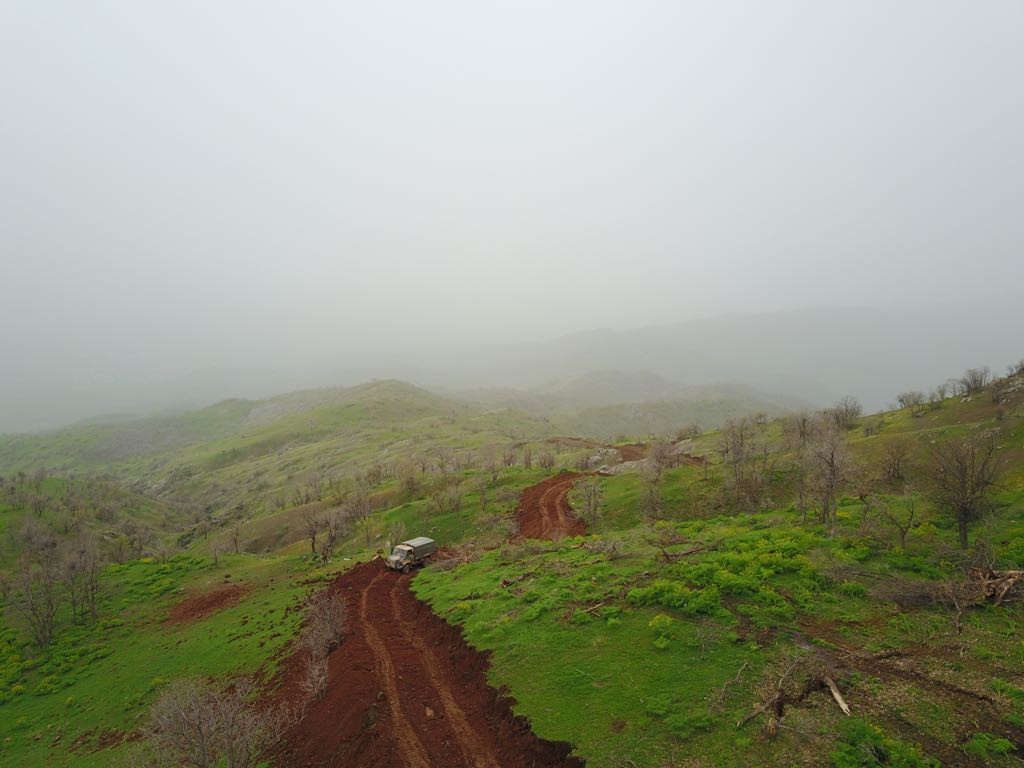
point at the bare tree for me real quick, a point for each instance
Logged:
(313, 682)
(80, 576)
(326, 619)
(798, 429)
(491, 463)
(894, 459)
(482, 488)
(36, 596)
(336, 524)
(661, 456)
(311, 523)
(910, 400)
(593, 494)
(846, 412)
(650, 502)
(964, 474)
(902, 521)
(527, 458)
(1016, 369)
(746, 454)
(829, 468)
(974, 380)
(546, 460)
(196, 724)
(236, 533)
(940, 393)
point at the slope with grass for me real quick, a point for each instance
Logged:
(697, 632)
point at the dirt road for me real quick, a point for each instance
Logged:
(406, 690)
(544, 511)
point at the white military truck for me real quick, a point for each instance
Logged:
(409, 553)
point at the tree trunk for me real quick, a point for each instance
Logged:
(962, 525)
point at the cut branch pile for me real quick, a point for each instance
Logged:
(997, 586)
(791, 685)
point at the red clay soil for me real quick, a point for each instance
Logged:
(629, 452)
(632, 451)
(405, 689)
(198, 607)
(544, 511)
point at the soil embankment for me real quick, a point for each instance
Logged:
(544, 511)
(200, 606)
(405, 689)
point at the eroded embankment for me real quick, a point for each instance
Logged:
(405, 689)
(544, 511)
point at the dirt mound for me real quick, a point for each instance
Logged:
(197, 607)
(405, 689)
(628, 452)
(632, 451)
(544, 511)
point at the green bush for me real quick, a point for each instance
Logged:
(861, 745)
(672, 594)
(988, 746)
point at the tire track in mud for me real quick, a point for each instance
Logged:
(404, 689)
(413, 748)
(544, 511)
(474, 752)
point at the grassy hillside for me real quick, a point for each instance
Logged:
(698, 596)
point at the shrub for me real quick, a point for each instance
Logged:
(861, 745)
(988, 746)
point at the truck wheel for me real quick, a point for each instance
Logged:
(406, 568)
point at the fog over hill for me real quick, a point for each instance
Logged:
(201, 203)
(781, 360)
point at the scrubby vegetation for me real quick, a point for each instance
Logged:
(734, 587)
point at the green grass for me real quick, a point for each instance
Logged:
(103, 677)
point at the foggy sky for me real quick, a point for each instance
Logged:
(188, 185)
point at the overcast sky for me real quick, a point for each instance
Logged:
(188, 184)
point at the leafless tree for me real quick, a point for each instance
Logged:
(482, 489)
(336, 524)
(798, 429)
(660, 456)
(491, 463)
(940, 393)
(593, 494)
(650, 501)
(974, 380)
(1000, 391)
(312, 522)
(81, 577)
(196, 724)
(546, 460)
(325, 622)
(746, 455)
(829, 468)
(1016, 369)
(236, 533)
(359, 503)
(894, 459)
(963, 478)
(902, 521)
(313, 681)
(527, 458)
(508, 457)
(846, 412)
(36, 596)
(910, 400)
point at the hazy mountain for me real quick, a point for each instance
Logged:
(813, 356)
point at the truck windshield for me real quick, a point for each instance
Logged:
(399, 552)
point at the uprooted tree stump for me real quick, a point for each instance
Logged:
(791, 685)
